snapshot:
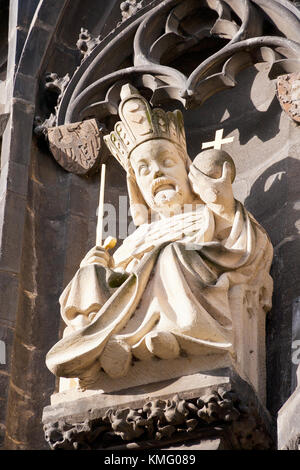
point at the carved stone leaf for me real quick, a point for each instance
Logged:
(76, 147)
(288, 93)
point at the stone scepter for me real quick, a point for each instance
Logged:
(110, 242)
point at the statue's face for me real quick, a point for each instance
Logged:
(161, 175)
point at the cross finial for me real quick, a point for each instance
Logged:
(218, 142)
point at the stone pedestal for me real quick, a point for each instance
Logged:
(204, 410)
(289, 421)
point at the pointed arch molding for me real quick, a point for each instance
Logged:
(237, 33)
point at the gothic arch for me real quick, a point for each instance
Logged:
(223, 37)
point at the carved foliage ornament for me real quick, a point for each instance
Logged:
(87, 42)
(164, 420)
(129, 8)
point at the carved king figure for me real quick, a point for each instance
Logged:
(192, 280)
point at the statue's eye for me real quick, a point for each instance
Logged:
(143, 169)
(168, 162)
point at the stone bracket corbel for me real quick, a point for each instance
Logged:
(218, 406)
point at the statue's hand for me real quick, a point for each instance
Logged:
(97, 255)
(212, 190)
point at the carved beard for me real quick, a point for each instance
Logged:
(165, 193)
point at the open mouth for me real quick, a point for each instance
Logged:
(164, 187)
(162, 184)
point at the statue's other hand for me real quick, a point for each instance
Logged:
(97, 255)
(210, 188)
(193, 177)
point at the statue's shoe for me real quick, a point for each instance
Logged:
(116, 358)
(162, 344)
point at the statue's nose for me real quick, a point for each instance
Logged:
(157, 171)
(158, 174)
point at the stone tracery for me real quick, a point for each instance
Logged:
(226, 36)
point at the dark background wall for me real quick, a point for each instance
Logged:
(48, 216)
(44, 210)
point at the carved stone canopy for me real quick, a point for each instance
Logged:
(178, 54)
(219, 39)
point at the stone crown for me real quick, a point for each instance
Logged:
(139, 123)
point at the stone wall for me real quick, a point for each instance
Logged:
(48, 216)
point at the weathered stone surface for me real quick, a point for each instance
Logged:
(20, 135)
(7, 336)
(25, 87)
(33, 334)
(97, 24)
(78, 147)
(23, 11)
(289, 422)
(14, 178)
(9, 285)
(21, 405)
(288, 92)
(17, 38)
(36, 50)
(49, 14)
(145, 417)
(12, 210)
(4, 384)
(3, 122)
(4, 8)
(217, 442)
(77, 236)
(173, 370)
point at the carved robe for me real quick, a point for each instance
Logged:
(180, 289)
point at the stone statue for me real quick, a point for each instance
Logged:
(192, 280)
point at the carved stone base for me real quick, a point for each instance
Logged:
(71, 389)
(212, 410)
